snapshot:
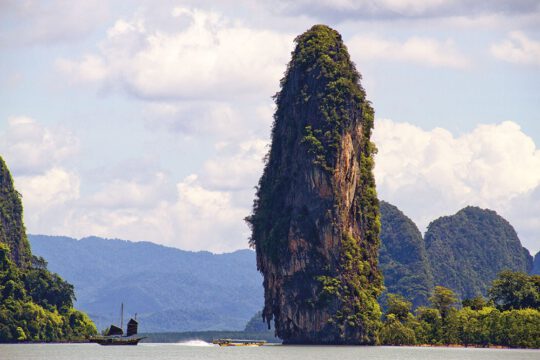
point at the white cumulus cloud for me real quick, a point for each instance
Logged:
(433, 173)
(29, 147)
(427, 173)
(205, 56)
(192, 217)
(237, 167)
(132, 200)
(53, 187)
(122, 193)
(32, 22)
(46, 196)
(36, 156)
(517, 48)
(208, 218)
(419, 50)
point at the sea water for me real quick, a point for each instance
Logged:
(199, 350)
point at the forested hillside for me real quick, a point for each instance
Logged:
(35, 304)
(467, 250)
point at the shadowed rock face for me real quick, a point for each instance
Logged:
(315, 224)
(402, 257)
(12, 230)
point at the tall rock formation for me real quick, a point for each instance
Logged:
(467, 250)
(315, 222)
(35, 305)
(12, 231)
(402, 257)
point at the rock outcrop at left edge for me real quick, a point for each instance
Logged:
(12, 231)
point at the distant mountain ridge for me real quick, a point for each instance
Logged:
(176, 290)
(170, 289)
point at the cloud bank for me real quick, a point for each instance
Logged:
(32, 147)
(432, 173)
(203, 76)
(134, 200)
(427, 173)
(419, 50)
(517, 48)
(35, 22)
(339, 10)
(209, 57)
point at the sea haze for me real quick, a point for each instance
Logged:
(168, 288)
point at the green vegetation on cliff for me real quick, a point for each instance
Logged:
(12, 230)
(35, 305)
(467, 250)
(402, 257)
(515, 290)
(464, 253)
(315, 222)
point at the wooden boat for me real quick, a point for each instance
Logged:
(115, 334)
(238, 342)
(116, 340)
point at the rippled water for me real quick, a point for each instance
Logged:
(200, 350)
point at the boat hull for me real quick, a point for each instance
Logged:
(234, 342)
(116, 341)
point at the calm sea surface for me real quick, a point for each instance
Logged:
(200, 350)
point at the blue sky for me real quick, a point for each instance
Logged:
(148, 120)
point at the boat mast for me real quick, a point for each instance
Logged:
(122, 316)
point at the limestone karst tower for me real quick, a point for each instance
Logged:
(315, 222)
(12, 231)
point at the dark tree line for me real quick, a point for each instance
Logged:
(509, 316)
(36, 305)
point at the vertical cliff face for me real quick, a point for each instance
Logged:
(402, 258)
(315, 224)
(12, 232)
